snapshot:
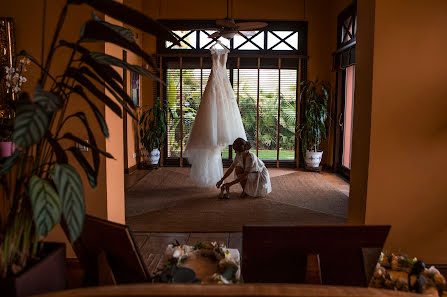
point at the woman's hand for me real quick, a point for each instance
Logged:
(219, 183)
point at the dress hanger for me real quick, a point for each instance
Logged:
(219, 42)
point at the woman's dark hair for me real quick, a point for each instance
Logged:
(240, 145)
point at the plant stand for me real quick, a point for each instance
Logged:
(313, 169)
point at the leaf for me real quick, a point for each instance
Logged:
(92, 175)
(45, 203)
(30, 124)
(105, 71)
(111, 60)
(76, 75)
(70, 136)
(61, 156)
(129, 16)
(113, 88)
(50, 102)
(99, 117)
(124, 32)
(95, 31)
(69, 186)
(10, 161)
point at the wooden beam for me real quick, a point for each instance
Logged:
(298, 112)
(181, 112)
(162, 155)
(279, 112)
(257, 110)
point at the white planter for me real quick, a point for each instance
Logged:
(313, 159)
(154, 156)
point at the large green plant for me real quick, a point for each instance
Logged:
(153, 123)
(312, 130)
(42, 187)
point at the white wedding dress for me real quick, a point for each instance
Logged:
(217, 124)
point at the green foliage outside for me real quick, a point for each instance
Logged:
(268, 110)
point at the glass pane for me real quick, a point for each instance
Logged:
(173, 101)
(238, 40)
(287, 115)
(283, 34)
(249, 46)
(248, 85)
(191, 100)
(191, 39)
(348, 116)
(181, 33)
(268, 113)
(282, 47)
(259, 40)
(204, 39)
(271, 40)
(293, 40)
(168, 44)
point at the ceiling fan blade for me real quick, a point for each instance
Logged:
(228, 23)
(215, 35)
(247, 26)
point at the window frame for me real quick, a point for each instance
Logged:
(237, 59)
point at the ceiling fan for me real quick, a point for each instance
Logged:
(227, 27)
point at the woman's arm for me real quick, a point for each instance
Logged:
(233, 165)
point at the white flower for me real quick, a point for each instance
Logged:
(16, 89)
(178, 252)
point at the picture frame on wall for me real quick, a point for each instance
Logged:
(135, 88)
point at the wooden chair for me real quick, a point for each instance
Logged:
(331, 255)
(109, 254)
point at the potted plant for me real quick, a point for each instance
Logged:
(39, 185)
(153, 123)
(312, 131)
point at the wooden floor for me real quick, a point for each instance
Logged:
(153, 245)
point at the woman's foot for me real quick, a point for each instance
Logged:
(242, 195)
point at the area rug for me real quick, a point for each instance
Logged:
(166, 201)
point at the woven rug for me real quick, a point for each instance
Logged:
(165, 200)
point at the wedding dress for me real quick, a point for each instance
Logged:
(217, 124)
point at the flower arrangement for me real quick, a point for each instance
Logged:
(13, 80)
(392, 272)
(227, 265)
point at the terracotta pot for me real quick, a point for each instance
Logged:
(6, 148)
(47, 275)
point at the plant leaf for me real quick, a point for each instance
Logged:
(92, 174)
(112, 86)
(61, 156)
(50, 102)
(87, 71)
(76, 75)
(69, 186)
(31, 122)
(45, 203)
(70, 136)
(124, 32)
(111, 60)
(99, 117)
(96, 31)
(129, 16)
(10, 161)
(105, 71)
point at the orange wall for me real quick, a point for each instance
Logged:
(406, 185)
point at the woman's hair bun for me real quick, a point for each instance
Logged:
(240, 145)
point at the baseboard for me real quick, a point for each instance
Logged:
(130, 169)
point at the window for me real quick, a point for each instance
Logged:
(264, 68)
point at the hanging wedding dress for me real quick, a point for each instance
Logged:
(217, 124)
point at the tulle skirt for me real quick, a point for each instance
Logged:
(217, 124)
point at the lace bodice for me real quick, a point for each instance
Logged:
(219, 57)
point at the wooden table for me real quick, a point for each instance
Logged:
(260, 289)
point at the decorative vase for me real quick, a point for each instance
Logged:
(46, 275)
(154, 156)
(313, 159)
(6, 149)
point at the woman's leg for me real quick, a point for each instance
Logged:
(239, 171)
